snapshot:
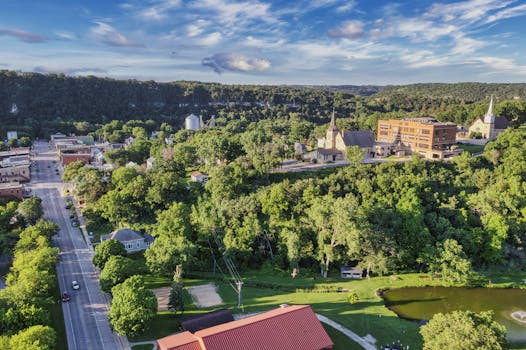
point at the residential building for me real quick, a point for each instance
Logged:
(286, 328)
(426, 136)
(12, 190)
(150, 163)
(351, 272)
(197, 176)
(132, 240)
(489, 126)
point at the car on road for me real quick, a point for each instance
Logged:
(65, 297)
(75, 285)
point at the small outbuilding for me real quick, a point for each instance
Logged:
(351, 272)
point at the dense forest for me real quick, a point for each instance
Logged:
(37, 105)
(413, 216)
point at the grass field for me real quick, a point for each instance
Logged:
(470, 148)
(264, 290)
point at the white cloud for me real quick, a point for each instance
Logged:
(470, 11)
(66, 35)
(235, 62)
(465, 45)
(500, 64)
(263, 43)
(197, 27)
(236, 13)
(508, 13)
(158, 11)
(210, 39)
(110, 36)
(350, 29)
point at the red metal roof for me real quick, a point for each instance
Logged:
(287, 328)
(179, 341)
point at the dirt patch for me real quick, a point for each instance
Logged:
(163, 298)
(205, 295)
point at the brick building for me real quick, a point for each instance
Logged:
(12, 190)
(426, 136)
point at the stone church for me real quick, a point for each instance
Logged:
(490, 126)
(332, 147)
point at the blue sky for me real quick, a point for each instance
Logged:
(269, 42)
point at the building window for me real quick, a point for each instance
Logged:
(425, 132)
(138, 244)
(129, 245)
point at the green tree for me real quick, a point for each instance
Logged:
(172, 245)
(133, 307)
(34, 338)
(107, 249)
(30, 210)
(464, 330)
(455, 267)
(354, 155)
(116, 270)
(25, 141)
(176, 301)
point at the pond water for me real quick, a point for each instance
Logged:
(421, 303)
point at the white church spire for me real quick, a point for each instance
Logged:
(489, 117)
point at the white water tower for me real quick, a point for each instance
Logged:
(192, 122)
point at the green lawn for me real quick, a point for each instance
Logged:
(340, 340)
(264, 290)
(142, 347)
(470, 148)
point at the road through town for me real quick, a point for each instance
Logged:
(85, 316)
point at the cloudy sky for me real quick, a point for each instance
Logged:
(269, 42)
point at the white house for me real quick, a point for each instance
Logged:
(351, 272)
(12, 135)
(131, 164)
(198, 176)
(132, 240)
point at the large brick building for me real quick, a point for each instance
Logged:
(426, 136)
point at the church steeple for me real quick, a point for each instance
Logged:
(332, 126)
(332, 132)
(489, 117)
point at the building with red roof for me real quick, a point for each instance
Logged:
(286, 328)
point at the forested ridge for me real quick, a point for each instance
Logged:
(38, 105)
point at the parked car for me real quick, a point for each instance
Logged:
(65, 297)
(75, 285)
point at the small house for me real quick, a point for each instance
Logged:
(351, 272)
(197, 176)
(132, 240)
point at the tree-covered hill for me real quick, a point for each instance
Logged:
(468, 92)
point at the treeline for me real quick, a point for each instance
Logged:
(27, 301)
(468, 92)
(38, 105)
(426, 216)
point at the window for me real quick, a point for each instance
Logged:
(129, 245)
(425, 131)
(138, 244)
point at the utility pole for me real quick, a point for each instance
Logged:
(239, 285)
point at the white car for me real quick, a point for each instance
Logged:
(75, 285)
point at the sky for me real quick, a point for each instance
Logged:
(315, 42)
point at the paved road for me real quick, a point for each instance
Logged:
(85, 316)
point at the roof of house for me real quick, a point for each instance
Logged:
(360, 138)
(287, 328)
(207, 320)
(197, 173)
(179, 341)
(327, 151)
(126, 235)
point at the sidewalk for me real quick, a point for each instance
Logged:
(355, 337)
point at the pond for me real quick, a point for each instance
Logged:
(421, 303)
